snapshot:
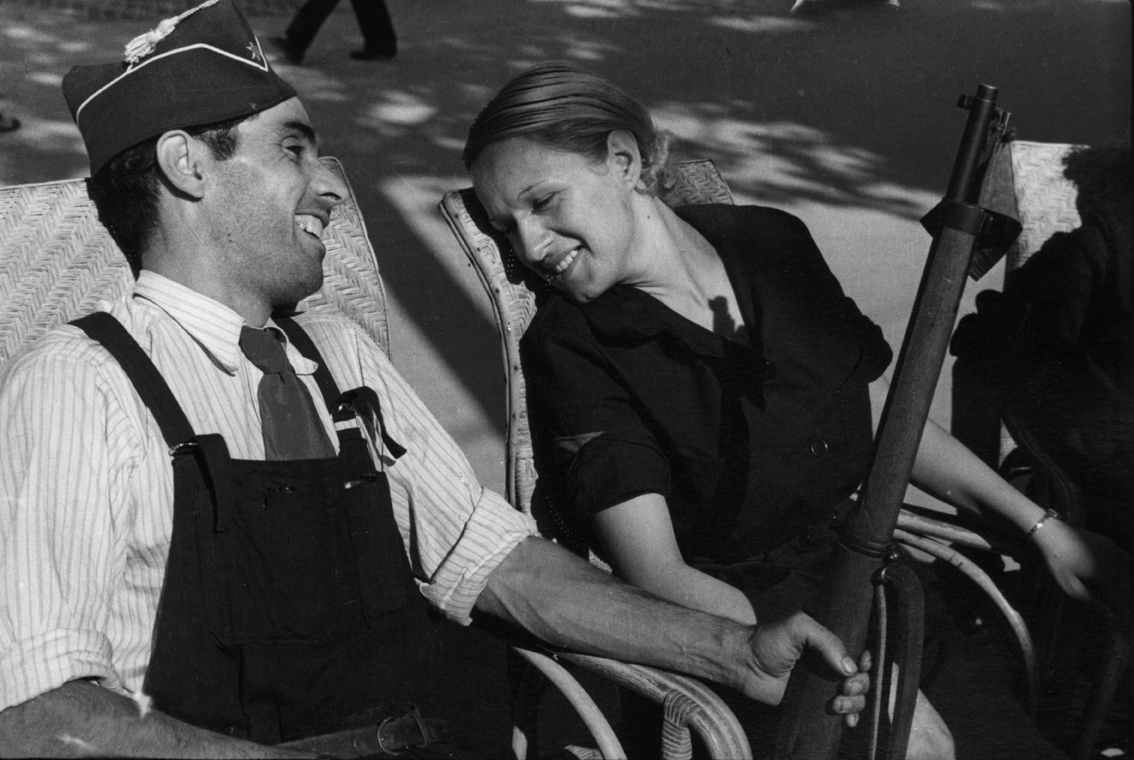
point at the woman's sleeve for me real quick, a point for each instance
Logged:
(591, 446)
(875, 353)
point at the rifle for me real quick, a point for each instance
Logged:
(959, 227)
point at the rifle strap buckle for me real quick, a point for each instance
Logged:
(993, 232)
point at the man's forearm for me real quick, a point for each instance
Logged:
(566, 602)
(82, 719)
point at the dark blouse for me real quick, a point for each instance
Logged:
(748, 444)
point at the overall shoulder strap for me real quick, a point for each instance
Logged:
(147, 380)
(342, 405)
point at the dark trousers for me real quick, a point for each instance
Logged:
(373, 19)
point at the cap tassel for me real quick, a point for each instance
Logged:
(144, 44)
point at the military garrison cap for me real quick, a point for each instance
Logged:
(201, 67)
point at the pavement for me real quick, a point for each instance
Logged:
(140, 10)
(844, 115)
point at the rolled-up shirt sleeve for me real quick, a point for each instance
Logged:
(456, 573)
(590, 441)
(60, 556)
(456, 532)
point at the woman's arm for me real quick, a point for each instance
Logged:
(1079, 561)
(568, 603)
(638, 533)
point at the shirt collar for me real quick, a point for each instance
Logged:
(213, 325)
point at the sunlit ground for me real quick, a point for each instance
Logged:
(843, 114)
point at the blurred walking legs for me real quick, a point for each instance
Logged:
(380, 42)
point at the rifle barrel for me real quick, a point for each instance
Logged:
(810, 733)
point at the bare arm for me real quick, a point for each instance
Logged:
(946, 469)
(1079, 561)
(83, 719)
(639, 536)
(566, 602)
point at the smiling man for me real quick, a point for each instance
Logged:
(194, 519)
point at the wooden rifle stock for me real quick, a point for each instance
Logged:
(808, 732)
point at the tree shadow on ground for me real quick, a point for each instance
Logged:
(848, 108)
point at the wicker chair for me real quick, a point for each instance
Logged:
(515, 293)
(57, 262)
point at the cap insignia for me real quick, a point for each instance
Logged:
(142, 45)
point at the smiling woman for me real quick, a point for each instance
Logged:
(700, 392)
(565, 213)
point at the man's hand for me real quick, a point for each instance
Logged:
(778, 645)
(566, 602)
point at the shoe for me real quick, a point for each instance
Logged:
(292, 53)
(384, 53)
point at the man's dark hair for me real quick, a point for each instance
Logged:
(125, 190)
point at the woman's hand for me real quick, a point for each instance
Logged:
(1088, 567)
(777, 646)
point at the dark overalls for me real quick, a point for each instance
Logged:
(288, 607)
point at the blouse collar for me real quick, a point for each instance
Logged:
(627, 313)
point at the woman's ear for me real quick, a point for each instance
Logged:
(623, 155)
(179, 157)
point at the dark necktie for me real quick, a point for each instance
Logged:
(292, 429)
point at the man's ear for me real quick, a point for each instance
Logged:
(181, 158)
(623, 155)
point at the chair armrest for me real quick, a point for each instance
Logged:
(946, 527)
(934, 547)
(578, 698)
(687, 704)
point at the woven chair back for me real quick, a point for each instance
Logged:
(1045, 199)
(57, 262)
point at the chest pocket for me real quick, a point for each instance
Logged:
(298, 550)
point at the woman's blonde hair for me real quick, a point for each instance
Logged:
(566, 107)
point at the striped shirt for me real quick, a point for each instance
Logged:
(86, 482)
